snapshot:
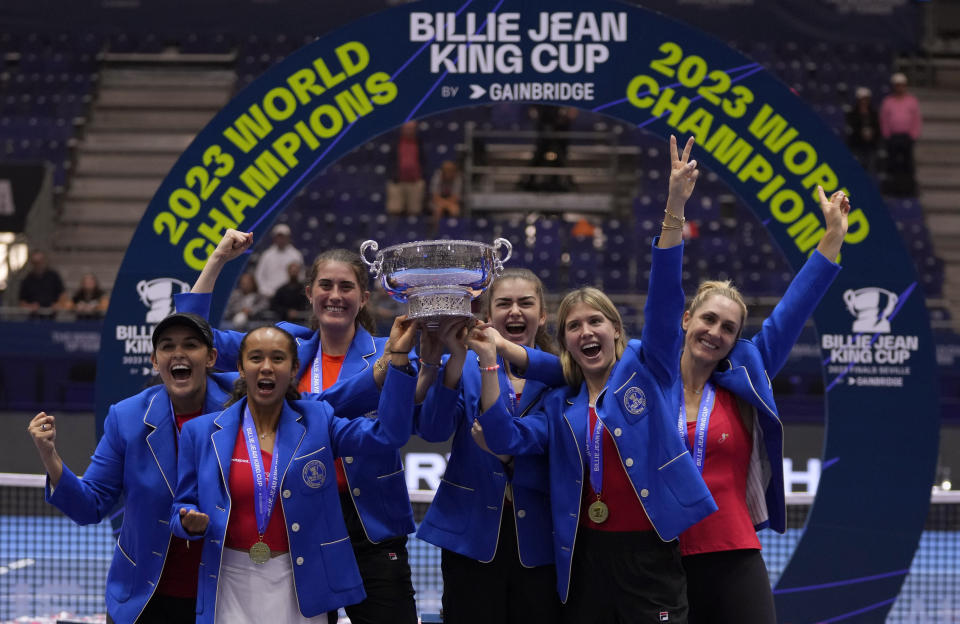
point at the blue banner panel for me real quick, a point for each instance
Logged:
(645, 69)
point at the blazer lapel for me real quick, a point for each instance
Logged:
(361, 349)
(162, 440)
(224, 438)
(307, 349)
(290, 433)
(576, 413)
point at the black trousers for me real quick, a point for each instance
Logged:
(729, 586)
(501, 591)
(167, 610)
(900, 166)
(385, 570)
(625, 578)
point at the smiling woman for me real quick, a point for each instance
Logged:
(269, 447)
(338, 357)
(137, 459)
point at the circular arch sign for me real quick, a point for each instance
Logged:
(644, 69)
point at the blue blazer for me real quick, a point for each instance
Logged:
(136, 458)
(747, 372)
(324, 569)
(387, 514)
(465, 514)
(638, 406)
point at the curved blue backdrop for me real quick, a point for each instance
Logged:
(647, 70)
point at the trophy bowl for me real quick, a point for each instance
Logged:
(436, 278)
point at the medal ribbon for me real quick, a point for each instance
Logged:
(595, 454)
(506, 386)
(316, 372)
(699, 449)
(264, 494)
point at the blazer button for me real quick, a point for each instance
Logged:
(287, 494)
(618, 432)
(644, 493)
(299, 560)
(521, 514)
(295, 527)
(348, 460)
(628, 462)
(356, 491)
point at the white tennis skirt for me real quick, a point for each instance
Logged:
(248, 592)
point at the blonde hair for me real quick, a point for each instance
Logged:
(597, 300)
(720, 288)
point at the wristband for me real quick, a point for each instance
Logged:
(488, 369)
(429, 364)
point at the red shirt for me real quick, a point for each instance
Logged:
(180, 569)
(626, 511)
(330, 367)
(725, 465)
(242, 530)
(408, 160)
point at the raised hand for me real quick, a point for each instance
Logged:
(483, 340)
(194, 522)
(402, 335)
(233, 245)
(683, 173)
(43, 430)
(835, 213)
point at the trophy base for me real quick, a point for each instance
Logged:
(433, 305)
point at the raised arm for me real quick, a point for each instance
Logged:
(89, 499)
(782, 328)
(683, 178)
(662, 338)
(233, 245)
(389, 430)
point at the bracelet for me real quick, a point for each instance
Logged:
(429, 364)
(680, 220)
(488, 369)
(398, 352)
(664, 225)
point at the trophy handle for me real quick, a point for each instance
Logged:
(498, 261)
(376, 264)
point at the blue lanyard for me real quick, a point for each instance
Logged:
(264, 494)
(506, 387)
(703, 422)
(595, 452)
(316, 372)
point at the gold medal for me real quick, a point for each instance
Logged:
(259, 553)
(598, 512)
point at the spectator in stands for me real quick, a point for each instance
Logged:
(863, 130)
(900, 123)
(280, 443)
(271, 271)
(731, 426)
(405, 189)
(337, 350)
(551, 149)
(153, 578)
(446, 190)
(289, 302)
(90, 301)
(41, 290)
(247, 303)
(622, 486)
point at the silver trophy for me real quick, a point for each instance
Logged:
(437, 278)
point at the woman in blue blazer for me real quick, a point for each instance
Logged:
(338, 348)
(137, 459)
(622, 485)
(309, 568)
(728, 397)
(493, 528)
